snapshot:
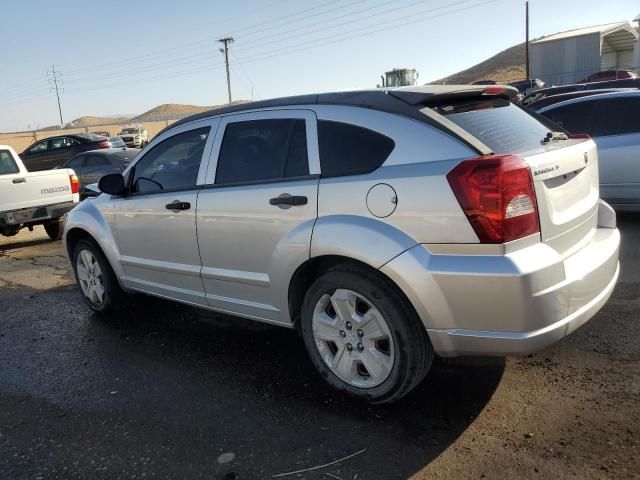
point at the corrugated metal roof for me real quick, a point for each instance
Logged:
(602, 29)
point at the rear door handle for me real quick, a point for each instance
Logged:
(286, 199)
(176, 205)
(19, 180)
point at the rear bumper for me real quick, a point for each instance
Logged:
(456, 342)
(513, 303)
(26, 216)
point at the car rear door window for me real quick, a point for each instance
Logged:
(173, 164)
(351, 150)
(39, 147)
(615, 116)
(62, 142)
(262, 150)
(76, 162)
(7, 163)
(574, 117)
(97, 161)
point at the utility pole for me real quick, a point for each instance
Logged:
(526, 43)
(226, 41)
(54, 79)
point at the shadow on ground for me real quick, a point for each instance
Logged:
(164, 390)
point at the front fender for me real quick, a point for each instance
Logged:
(95, 217)
(367, 240)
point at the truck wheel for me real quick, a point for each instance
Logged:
(10, 231)
(363, 336)
(96, 278)
(55, 228)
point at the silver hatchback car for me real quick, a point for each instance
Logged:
(387, 226)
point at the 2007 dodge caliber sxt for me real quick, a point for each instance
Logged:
(387, 226)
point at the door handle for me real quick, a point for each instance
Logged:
(176, 205)
(286, 199)
(19, 180)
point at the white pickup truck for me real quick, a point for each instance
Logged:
(34, 198)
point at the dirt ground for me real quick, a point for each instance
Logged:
(166, 391)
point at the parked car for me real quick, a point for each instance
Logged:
(543, 92)
(54, 151)
(386, 226)
(91, 166)
(613, 120)
(551, 99)
(135, 137)
(34, 198)
(525, 85)
(608, 75)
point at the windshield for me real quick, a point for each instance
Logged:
(499, 124)
(129, 130)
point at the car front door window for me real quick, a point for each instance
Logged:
(172, 164)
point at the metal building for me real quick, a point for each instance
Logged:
(568, 57)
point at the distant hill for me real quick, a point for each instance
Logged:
(506, 66)
(90, 121)
(174, 111)
(166, 111)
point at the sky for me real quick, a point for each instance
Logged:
(125, 57)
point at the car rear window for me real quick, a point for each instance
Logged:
(499, 124)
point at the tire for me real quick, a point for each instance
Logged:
(11, 231)
(113, 298)
(55, 228)
(388, 357)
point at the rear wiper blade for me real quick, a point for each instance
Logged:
(550, 136)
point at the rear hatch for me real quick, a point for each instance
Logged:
(565, 172)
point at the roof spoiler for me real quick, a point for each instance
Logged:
(415, 96)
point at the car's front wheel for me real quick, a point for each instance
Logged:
(96, 278)
(363, 336)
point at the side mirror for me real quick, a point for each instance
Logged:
(112, 184)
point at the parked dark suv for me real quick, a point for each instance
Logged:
(54, 151)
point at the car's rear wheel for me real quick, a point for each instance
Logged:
(363, 336)
(55, 228)
(96, 278)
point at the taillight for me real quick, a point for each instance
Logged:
(497, 195)
(494, 90)
(75, 183)
(104, 144)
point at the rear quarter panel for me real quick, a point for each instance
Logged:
(426, 209)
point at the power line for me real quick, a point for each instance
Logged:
(55, 80)
(365, 30)
(203, 42)
(182, 60)
(245, 73)
(324, 22)
(330, 39)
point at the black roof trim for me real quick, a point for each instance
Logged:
(406, 102)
